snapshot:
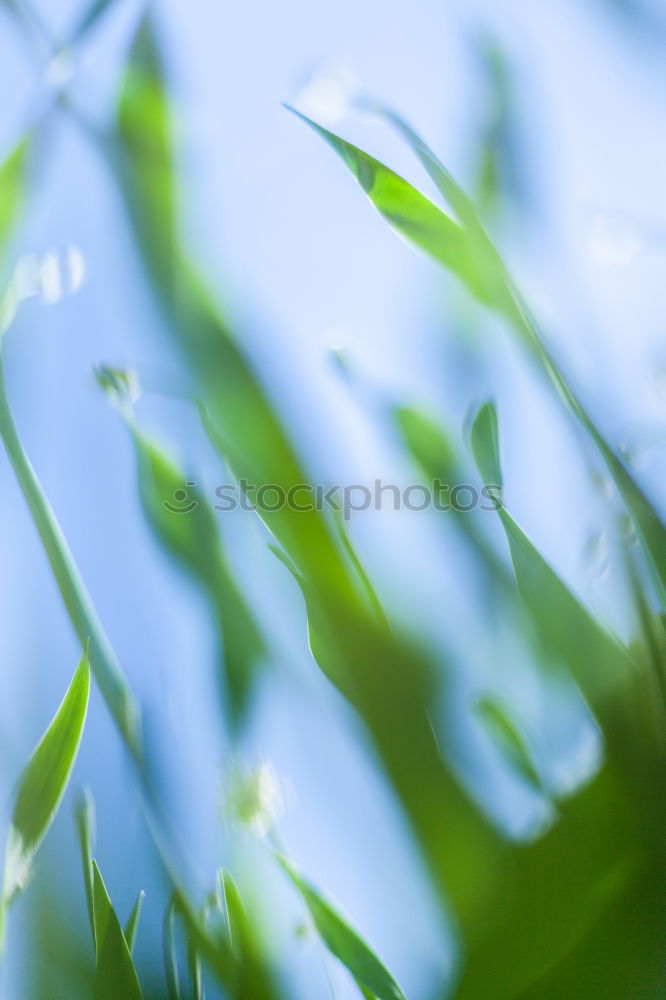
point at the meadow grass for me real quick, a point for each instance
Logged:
(576, 910)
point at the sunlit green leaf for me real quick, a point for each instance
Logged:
(144, 132)
(43, 782)
(12, 182)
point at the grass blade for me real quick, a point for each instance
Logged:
(85, 822)
(343, 941)
(507, 734)
(43, 783)
(133, 921)
(170, 954)
(183, 522)
(601, 666)
(115, 975)
(107, 671)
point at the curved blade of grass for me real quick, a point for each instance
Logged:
(115, 975)
(43, 783)
(600, 665)
(465, 249)
(343, 941)
(417, 219)
(107, 671)
(507, 734)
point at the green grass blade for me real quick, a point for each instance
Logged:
(503, 729)
(105, 667)
(148, 171)
(12, 185)
(601, 666)
(183, 521)
(43, 783)
(242, 972)
(234, 911)
(434, 455)
(115, 975)
(133, 921)
(418, 220)
(343, 941)
(85, 823)
(170, 954)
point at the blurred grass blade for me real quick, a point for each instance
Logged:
(133, 921)
(435, 456)
(105, 667)
(242, 972)
(184, 523)
(148, 173)
(600, 665)
(85, 823)
(12, 190)
(233, 908)
(196, 978)
(115, 975)
(500, 175)
(343, 941)
(90, 20)
(170, 953)
(193, 539)
(43, 783)
(508, 736)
